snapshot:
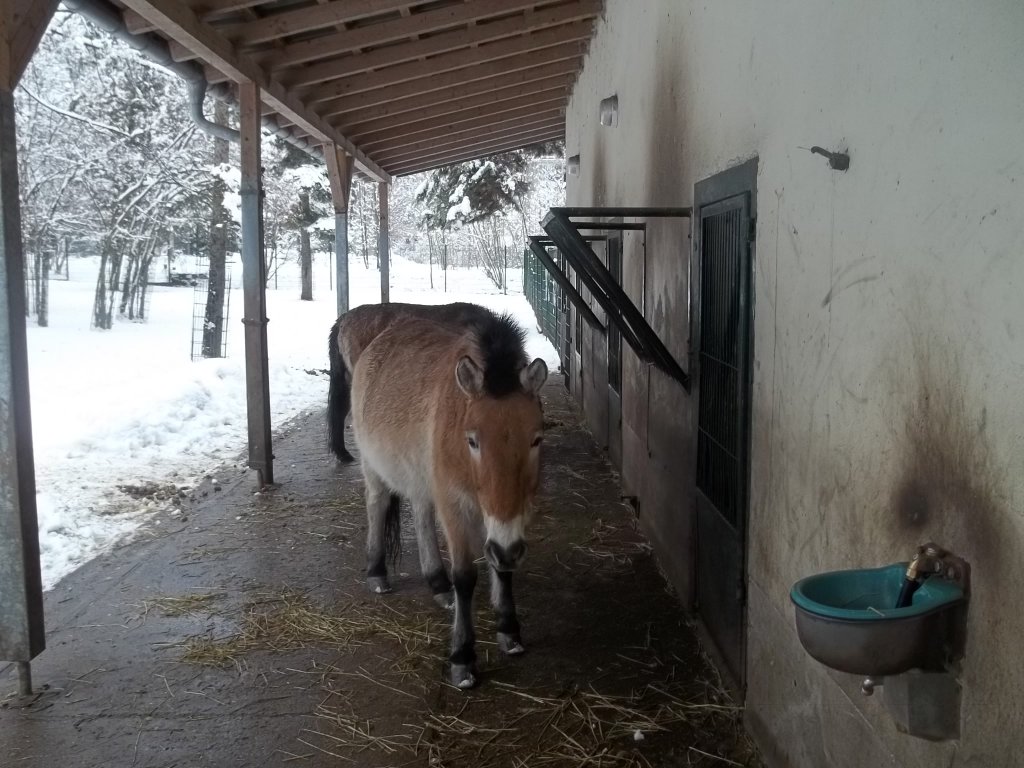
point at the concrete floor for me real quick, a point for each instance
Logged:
(613, 674)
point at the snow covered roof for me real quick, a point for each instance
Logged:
(401, 85)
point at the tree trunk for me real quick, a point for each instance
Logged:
(43, 297)
(100, 316)
(213, 321)
(305, 254)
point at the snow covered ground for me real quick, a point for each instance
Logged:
(128, 406)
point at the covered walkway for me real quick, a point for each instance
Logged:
(239, 633)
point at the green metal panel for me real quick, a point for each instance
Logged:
(544, 296)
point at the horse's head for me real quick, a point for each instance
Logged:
(502, 434)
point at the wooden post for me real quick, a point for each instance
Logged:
(22, 636)
(254, 287)
(339, 170)
(384, 245)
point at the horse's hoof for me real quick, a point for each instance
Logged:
(463, 676)
(445, 599)
(378, 584)
(510, 644)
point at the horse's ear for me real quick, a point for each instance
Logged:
(469, 377)
(534, 375)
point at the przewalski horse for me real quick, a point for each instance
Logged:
(354, 330)
(452, 421)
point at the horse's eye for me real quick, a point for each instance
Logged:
(473, 442)
(537, 441)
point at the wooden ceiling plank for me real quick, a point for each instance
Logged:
(480, 104)
(499, 54)
(334, 45)
(459, 155)
(178, 22)
(526, 110)
(412, 96)
(309, 19)
(395, 65)
(387, 154)
(404, 27)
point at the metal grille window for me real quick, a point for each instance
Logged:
(723, 342)
(614, 336)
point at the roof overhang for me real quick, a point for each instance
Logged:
(400, 85)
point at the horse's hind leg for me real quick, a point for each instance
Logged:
(431, 565)
(380, 504)
(509, 640)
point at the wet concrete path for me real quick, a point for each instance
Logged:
(240, 633)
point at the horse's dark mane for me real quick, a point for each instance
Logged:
(500, 340)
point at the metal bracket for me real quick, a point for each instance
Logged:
(565, 234)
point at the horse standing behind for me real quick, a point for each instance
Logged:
(452, 421)
(354, 330)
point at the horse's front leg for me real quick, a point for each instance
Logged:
(509, 640)
(463, 672)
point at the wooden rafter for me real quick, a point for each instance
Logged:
(427, 163)
(446, 126)
(391, 156)
(501, 99)
(465, 66)
(322, 76)
(180, 23)
(330, 46)
(308, 19)
(415, 95)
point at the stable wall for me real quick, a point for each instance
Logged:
(888, 325)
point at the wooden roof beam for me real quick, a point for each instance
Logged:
(501, 99)
(471, 140)
(474, 64)
(530, 20)
(419, 165)
(395, 65)
(408, 97)
(300, 20)
(178, 22)
(530, 111)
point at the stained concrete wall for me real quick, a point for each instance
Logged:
(888, 324)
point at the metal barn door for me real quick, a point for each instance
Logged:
(724, 227)
(615, 363)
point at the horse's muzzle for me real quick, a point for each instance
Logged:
(505, 558)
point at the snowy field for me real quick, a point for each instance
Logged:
(128, 406)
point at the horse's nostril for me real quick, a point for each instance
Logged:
(516, 552)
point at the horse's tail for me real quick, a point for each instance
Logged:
(339, 398)
(393, 531)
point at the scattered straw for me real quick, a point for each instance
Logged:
(182, 605)
(288, 622)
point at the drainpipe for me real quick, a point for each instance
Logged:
(154, 47)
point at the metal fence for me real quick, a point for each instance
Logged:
(545, 297)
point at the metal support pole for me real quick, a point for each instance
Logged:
(339, 171)
(21, 589)
(254, 286)
(384, 245)
(341, 260)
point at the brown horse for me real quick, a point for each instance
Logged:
(354, 330)
(452, 421)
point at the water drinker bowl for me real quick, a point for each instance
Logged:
(848, 621)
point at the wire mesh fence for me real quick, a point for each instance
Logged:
(211, 309)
